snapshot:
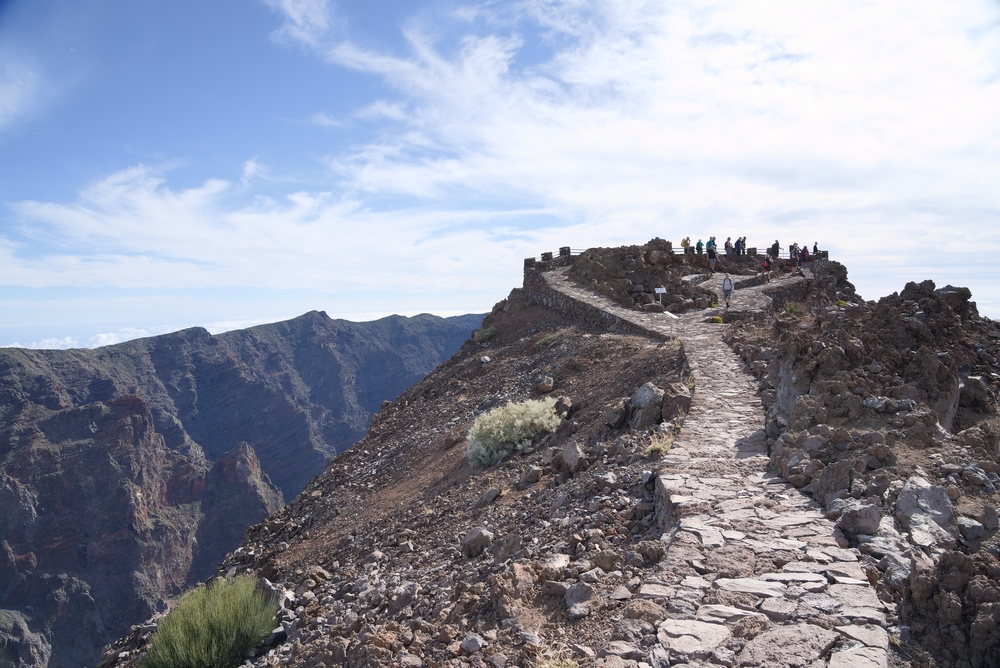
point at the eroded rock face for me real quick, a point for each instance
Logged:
(130, 470)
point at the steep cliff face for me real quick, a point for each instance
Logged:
(127, 472)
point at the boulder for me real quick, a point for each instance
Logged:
(834, 478)
(545, 385)
(473, 643)
(970, 528)
(646, 395)
(569, 458)
(918, 495)
(531, 475)
(476, 541)
(858, 517)
(647, 407)
(504, 548)
(676, 400)
(616, 414)
(609, 560)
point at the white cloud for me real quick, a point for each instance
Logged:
(55, 344)
(251, 169)
(869, 127)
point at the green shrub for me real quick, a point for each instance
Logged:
(792, 307)
(717, 319)
(213, 626)
(841, 303)
(484, 334)
(547, 340)
(503, 430)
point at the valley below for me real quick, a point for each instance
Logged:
(128, 472)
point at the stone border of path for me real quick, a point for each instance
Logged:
(751, 562)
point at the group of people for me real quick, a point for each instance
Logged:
(711, 249)
(732, 248)
(796, 253)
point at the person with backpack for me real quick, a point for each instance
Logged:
(775, 249)
(765, 266)
(727, 289)
(698, 246)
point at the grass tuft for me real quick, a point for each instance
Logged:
(497, 434)
(717, 319)
(213, 626)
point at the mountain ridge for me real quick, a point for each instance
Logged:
(129, 470)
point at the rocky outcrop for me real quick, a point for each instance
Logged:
(886, 413)
(128, 472)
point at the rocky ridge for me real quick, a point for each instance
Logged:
(127, 472)
(626, 539)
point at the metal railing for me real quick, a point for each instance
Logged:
(759, 251)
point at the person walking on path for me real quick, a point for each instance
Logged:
(727, 289)
(711, 258)
(765, 266)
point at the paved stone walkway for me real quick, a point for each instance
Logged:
(754, 574)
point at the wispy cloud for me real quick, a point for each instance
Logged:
(20, 88)
(869, 127)
(306, 21)
(842, 121)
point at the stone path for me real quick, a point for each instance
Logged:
(754, 574)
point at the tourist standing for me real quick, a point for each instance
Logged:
(729, 249)
(775, 249)
(698, 246)
(727, 289)
(765, 266)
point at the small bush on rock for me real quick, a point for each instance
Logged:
(213, 625)
(484, 334)
(497, 434)
(717, 319)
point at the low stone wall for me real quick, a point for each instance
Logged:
(788, 292)
(540, 292)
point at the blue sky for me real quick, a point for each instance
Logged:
(235, 162)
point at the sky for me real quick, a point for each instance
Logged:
(234, 162)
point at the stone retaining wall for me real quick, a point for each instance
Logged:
(539, 292)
